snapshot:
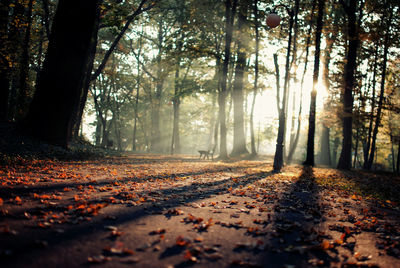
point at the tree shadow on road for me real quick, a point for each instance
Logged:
(295, 238)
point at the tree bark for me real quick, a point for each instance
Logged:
(325, 146)
(15, 48)
(138, 82)
(83, 98)
(239, 140)
(367, 146)
(256, 71)
(24, 70)
(350, 67)
(230, 10)
(60, 84)
(382, 93)
(294, 142)
(175, 144)
(155, 139)
(331, 36)
(312, 117)
(278, 158)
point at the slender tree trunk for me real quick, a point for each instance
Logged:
(156, 142)
(135, 118)
(356, 147)
(214, 149)
(4, 63)
(239, 140)
(87, 81)
(311, 126)
(60, 84)
(325, 146)
(325, 152)
(293, 143)
(278, 158)
(15, 50)
(255, 90)
(98, 132)
(350, 67)
(382, 93)
(40, 50)
(367, 146)
(213, 120)
(104, 128)
(24, 70)
(230, 10)
(175, 145)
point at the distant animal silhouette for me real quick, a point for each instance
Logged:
(206, 154)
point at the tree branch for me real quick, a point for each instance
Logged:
(138, 11)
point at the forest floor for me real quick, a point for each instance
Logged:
(180, 211)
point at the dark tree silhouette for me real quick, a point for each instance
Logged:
(60, 84)
(312, 117)
(350, 68)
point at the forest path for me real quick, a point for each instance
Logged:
(164, 211)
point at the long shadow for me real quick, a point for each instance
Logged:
(125, 215)
(10, 191)
(294, 238)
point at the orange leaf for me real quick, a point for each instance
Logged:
(18, 200)
(325, 245)
(182, 241)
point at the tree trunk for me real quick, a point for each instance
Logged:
(331, 36)
(239, 140)
(350, 67)
(255, 90)
(60, 84)
(211, 143)
(135, 119)
(4, 64)
(367, 146)
(87, 81)
(156, 142)
(175, 144)
(294, 142)
(230, 10)
(312, 117)
(356, 147)
(24, 70)
(325, 146)
(98, 132)
(382, 93)
(278, 158)
(15, 50)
